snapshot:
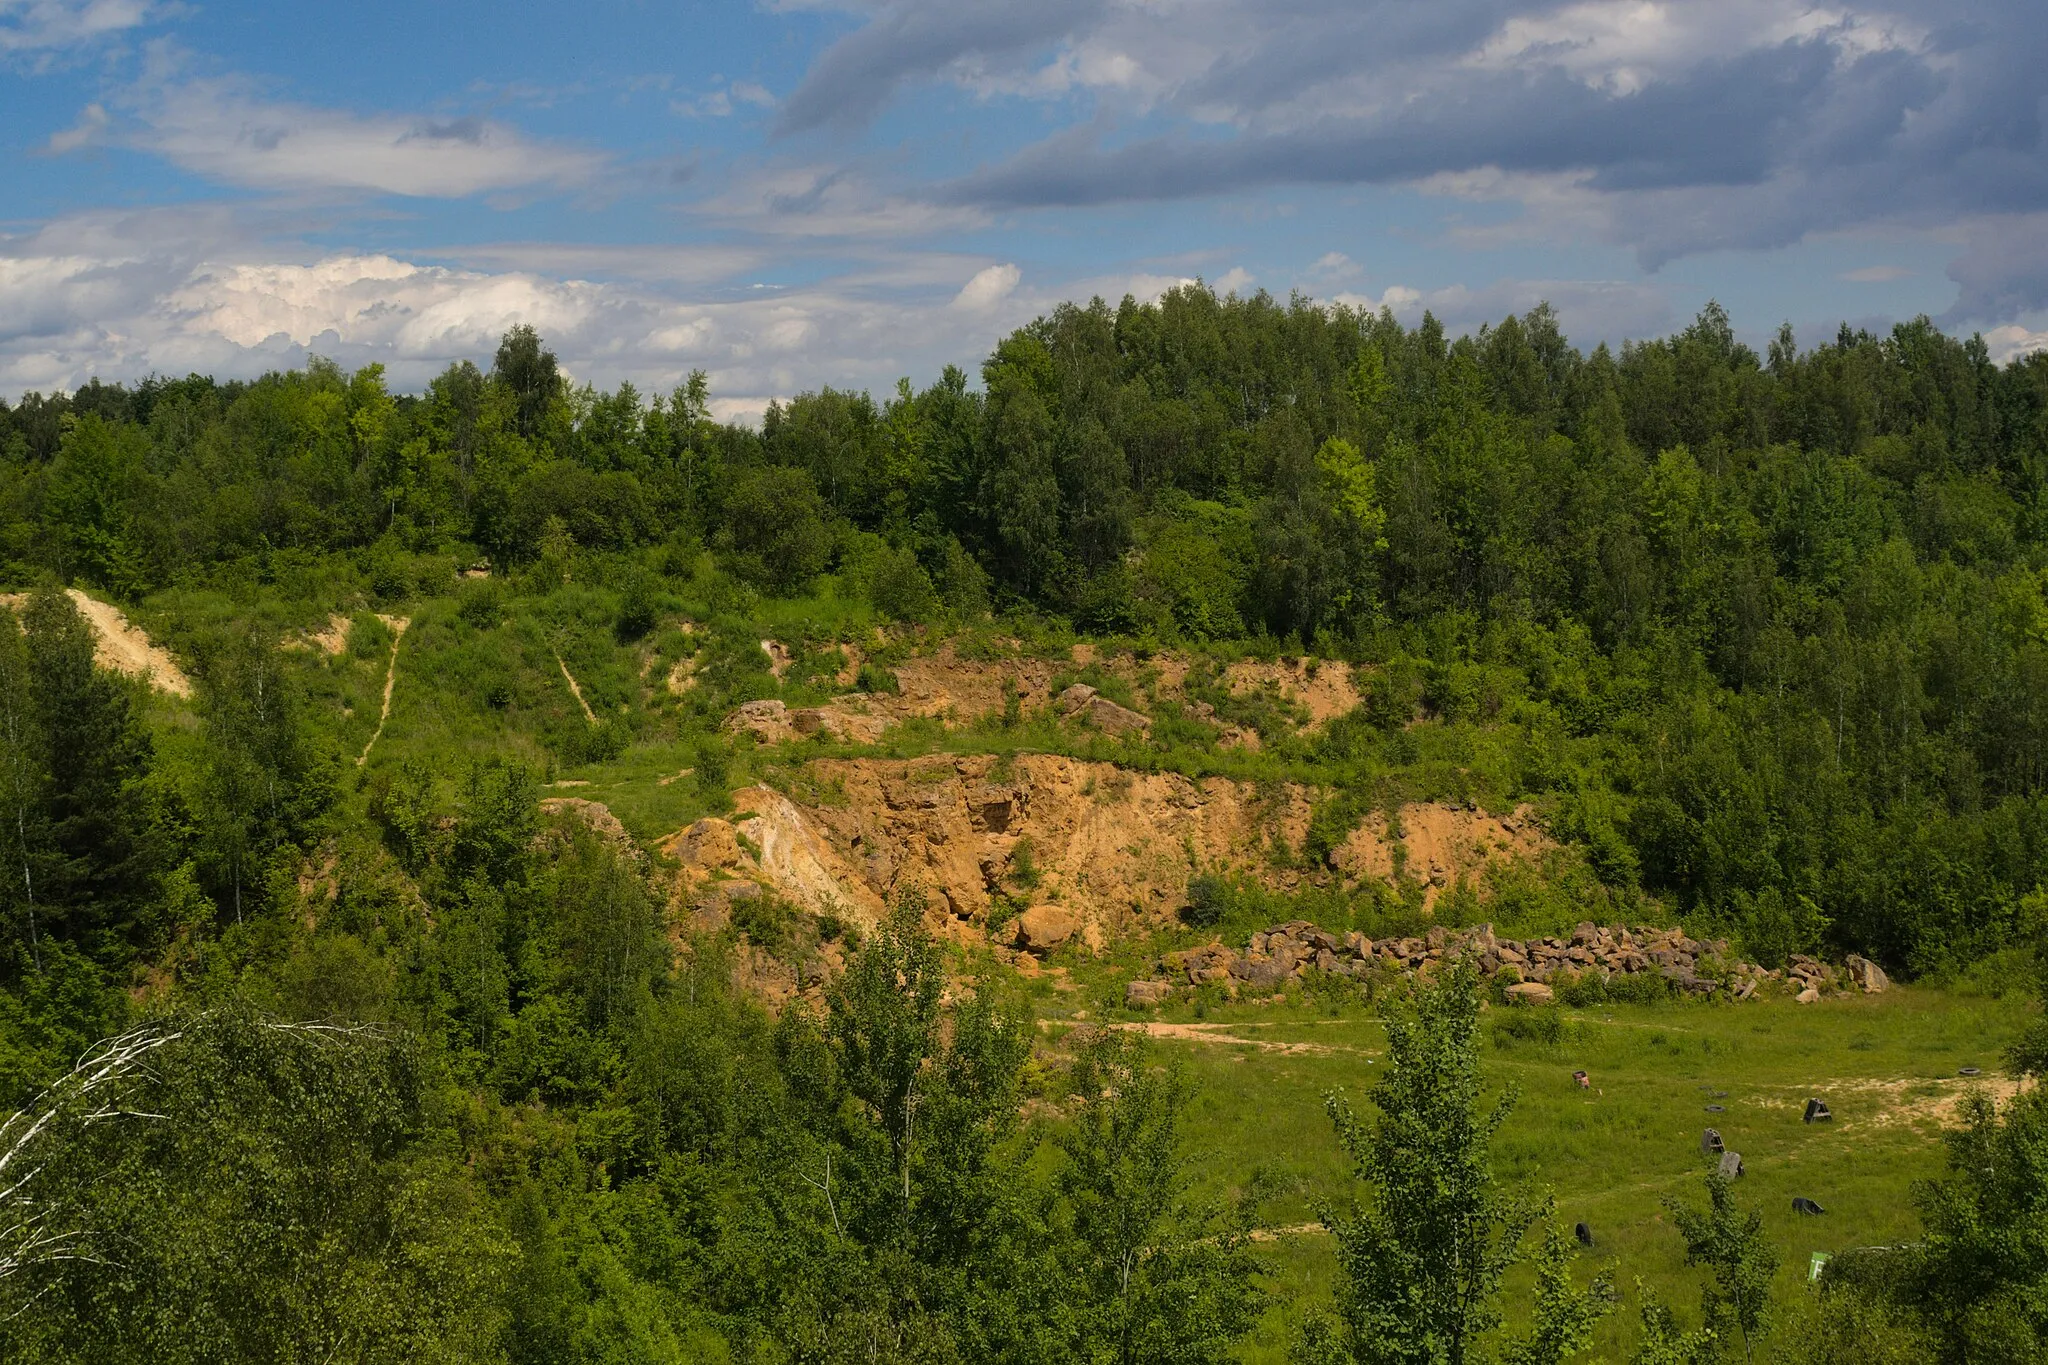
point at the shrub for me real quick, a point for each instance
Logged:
(1209, 901)
(638, 608)
(898, 585)
(481, 603)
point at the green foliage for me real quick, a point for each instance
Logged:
(1730, 1243)
(1977, 1280)
(1664, 1342)
(1161, 1281)
(1563, 1315)
(1210, 899)
(266, 1191)
(1421, 1259)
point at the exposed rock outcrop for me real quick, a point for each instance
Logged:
(1532, 968)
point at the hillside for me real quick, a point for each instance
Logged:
(712, 884)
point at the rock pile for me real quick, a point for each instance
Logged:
(1527, 967)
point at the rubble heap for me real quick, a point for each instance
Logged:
(1528, 967)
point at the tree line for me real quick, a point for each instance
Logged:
(1796, 597)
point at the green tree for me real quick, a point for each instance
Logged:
(271, 1191)
(1160, 1280)
(774, 531)
(102, 858)
(1979, 1278)
(1563, 1315)
(268, 778)
(1730, 1242)
(1421, 1257)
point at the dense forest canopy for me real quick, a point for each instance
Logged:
(1798, 595)
(1764, 637)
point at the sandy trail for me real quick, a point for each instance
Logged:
(575, 690)
(1218, 1033)
(118, 645)
(398, 625)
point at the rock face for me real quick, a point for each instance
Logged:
(1045, 927)
(1532, 969)
(1119, 847)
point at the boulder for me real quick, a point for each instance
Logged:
(1045, 927)
(767, 721)
(1106, 716)
(1530, 993)
(1807, 996)
(1866, 974)
(1144, 993)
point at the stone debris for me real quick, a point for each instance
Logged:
(1817, 1112)
(1531, 969)
(1585, 1081)
(1045, 927)
(1083, 703)
(1801, 1204)
(1731, 1166)
(1711, 1144)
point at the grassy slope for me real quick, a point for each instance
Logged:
(1610, 1155)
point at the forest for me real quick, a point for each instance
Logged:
(322, 1051)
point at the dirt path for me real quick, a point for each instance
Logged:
(398, 625)
(1216, 1033)
(576, 691)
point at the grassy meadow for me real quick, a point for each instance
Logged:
(1886, 1065)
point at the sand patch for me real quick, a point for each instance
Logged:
(1325, 689)
(118, 645)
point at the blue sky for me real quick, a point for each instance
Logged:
(788, 195)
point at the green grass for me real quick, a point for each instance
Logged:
(1611, 1155)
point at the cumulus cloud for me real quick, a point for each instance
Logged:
(989, 287)
(121, 296)
(41, 26)
(224, 128)
(2012, 341)
(1588, 310)
(1671, 127)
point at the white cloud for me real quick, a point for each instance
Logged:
(988, 288)
(44, 25)
(224, 129)
(171, 292)
(827, 201)
(1236, 280)
(1587, 310)
(92, 122)
(1621, 46)
(2012, 341)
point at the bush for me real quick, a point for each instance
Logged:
(776, 535)
(1209, 901)
(898, 585)
(638, 608)
(1543, 1025)
(1638, 988)
(481, 603)
(876, 678)
(714, 771)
